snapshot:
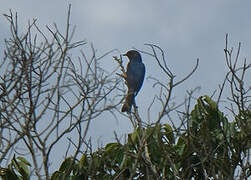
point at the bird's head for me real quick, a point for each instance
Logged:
(133, 55)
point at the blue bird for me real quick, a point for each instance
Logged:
(135, 74)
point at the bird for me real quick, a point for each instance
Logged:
(134, 77)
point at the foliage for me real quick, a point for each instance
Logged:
(212, 145)
(17, 169)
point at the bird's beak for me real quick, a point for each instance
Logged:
(124, 54)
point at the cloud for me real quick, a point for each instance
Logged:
(185, 29)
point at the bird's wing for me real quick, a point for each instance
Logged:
(135, 76)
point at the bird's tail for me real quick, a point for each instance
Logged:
(128, 102)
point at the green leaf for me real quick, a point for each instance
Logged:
(124, 161)
(169, 133)
(82, 161)
(196, 117)
(21, 167)
(57, 175)
(133, 137)
(68, 163)
(111, 146)
(180, 149)
(24, 170)
(180, 146)
(8, 174)
(22, 159)
(210, 102)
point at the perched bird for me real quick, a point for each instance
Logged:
(135, 74)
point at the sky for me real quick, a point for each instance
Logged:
(185, 30)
